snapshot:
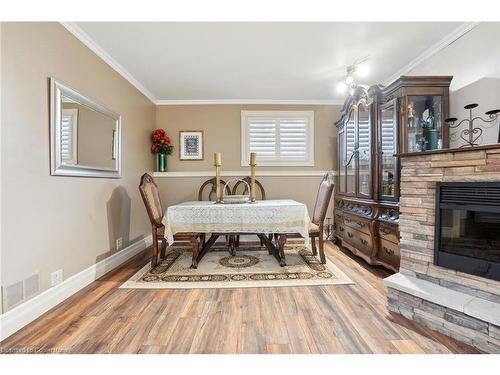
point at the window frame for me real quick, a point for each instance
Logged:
(276, 114)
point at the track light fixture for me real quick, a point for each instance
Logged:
(359, 69)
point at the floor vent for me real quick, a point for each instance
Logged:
(13, 295)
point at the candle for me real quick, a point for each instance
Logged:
(217, 158)
(253, 158)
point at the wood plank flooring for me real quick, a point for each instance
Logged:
(320, 319)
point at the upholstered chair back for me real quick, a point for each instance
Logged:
(323, 198)
(151, 197)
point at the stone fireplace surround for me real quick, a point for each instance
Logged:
(459, 305)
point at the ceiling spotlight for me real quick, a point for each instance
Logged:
(349, 79)
(341, 87)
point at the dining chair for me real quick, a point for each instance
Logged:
(248, 180)
(151, 197)
(210, 183)
(319, 213)
(237, 185)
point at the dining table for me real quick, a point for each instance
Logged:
(264, 218)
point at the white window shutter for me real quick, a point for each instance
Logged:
(279, 138)
(262, 137)
(69, 136)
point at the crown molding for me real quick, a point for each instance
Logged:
(81, 35)
(431, 51)
(250, 101)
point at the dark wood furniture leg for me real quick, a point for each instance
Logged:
(154, 255)
(207, 247)
(163, 248)
(313, 246)
(321, 245)
(282, 242)
(272, 249)
(232, 244)
(195, 245)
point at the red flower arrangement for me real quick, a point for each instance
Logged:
(161, 143)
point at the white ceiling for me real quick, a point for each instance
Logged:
(256, 61)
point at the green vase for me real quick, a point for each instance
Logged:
(162, 162)
(432, 137)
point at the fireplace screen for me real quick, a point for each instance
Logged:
(468, 228)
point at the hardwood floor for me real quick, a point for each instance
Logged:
(321, 319)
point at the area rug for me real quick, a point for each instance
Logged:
(251, 267)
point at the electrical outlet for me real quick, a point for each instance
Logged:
(56, 277)
(119, 243)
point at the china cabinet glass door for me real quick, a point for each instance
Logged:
(350, 162)
(342, 160)
(364, 152)
(388, 147)
(424, 122)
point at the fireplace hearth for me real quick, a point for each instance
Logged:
(468, 227)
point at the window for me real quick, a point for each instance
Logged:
(69, 136)
(280, 138)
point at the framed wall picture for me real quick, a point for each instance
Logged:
(191, 145)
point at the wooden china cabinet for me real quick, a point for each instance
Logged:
(376, 123)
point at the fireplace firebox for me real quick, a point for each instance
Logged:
(468, 227)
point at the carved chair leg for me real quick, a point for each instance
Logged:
(313, 246)
(237, 241)
(282, 242)
(232, 243)
(154, 255)
(321, 245)
(163, 248)
(195, 245)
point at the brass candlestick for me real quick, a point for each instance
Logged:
(217, 164)
(253, 158)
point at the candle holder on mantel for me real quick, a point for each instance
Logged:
(471, 134)
(217, 164)
(253, 164)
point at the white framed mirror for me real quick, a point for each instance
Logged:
(85, 136)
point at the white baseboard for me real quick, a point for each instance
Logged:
(15, 319)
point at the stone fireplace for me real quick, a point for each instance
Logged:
(447, 279)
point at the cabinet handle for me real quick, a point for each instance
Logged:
(364, 242)
(359, 223)
(342, 229)
(385, 231)
(350, 234)
(389, 251)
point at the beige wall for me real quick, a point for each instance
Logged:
(474, 63)
(221, 125)
(50, 222)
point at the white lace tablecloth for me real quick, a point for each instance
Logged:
(269, 216)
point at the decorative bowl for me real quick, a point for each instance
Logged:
(234, 199)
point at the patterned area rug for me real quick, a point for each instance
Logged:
(252, 266)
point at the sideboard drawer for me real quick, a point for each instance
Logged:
(388, 233)
(389, 252)
(357, 223)
(339, 230)
(360, 240)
